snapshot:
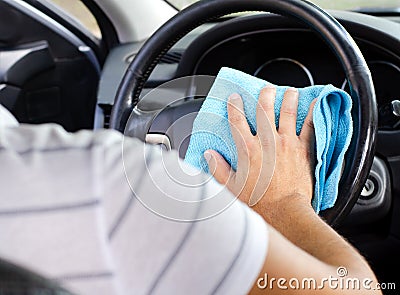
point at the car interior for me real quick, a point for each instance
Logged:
(54, 69)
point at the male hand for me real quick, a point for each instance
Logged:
(291, 155)
(285, 201)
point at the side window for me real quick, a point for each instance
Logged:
(78, 10)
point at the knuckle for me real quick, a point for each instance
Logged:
(288, 112)
(305, 153)
(254, 159)
(288, 143)
(266, 141)
(251, 147)
(285, 141)
(236, 118)
(252, 152)
(309, 124)
(266, 106)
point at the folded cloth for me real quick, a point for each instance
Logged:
(331, 116)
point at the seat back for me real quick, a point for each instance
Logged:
(17, 280)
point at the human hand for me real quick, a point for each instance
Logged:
(258, 155)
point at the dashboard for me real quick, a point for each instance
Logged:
(299, 59)
(285, 53)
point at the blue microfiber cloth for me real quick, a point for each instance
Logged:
(332, 122)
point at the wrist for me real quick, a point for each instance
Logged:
(285, 209)
(290, 202)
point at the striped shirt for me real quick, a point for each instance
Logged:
(104, 214)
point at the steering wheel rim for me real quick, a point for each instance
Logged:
(359, 157)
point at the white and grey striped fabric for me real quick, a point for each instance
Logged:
(106, 215)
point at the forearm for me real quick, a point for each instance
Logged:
(297, 221)
(301, 245)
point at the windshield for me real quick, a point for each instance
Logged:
(327, 4)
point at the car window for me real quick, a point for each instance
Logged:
(78, 10)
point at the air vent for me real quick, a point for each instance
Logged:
(171, 57)
(107, 114)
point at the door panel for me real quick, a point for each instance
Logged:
(47, 74)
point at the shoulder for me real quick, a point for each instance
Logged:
(52, 137)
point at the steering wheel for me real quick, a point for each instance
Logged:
(359, 157)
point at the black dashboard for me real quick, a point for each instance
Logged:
(298, 58)
(286, 53)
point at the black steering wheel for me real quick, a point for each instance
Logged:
(359, 157)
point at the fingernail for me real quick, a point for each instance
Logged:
(207, 156)
(234, 97)
(293, 95)
(271, 89)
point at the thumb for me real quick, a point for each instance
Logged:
(218, 167)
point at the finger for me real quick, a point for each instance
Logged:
(265, 113)
(287, 120)
(266, 102)
(240, 130)
(307, 131)
(237, 118)
(218, 167)
(265, 175)
(266, 130)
